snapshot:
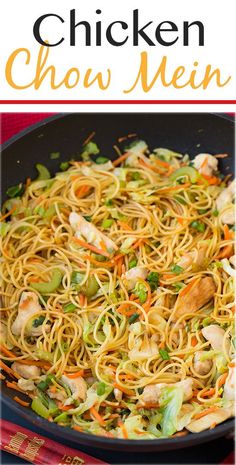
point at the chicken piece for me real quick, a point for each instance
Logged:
(26, 384)
(225, 199)
(58, 395)
(90, 233)
(144, 348)
(131, 276)
(152, 392)
(198, 295)
(26, 371)
(229, 387)
(215, 335)
(77, 386)
(118, 394)
(205, 163)
(201, 424)
(202, 367)
(28, 306)
(195, 257)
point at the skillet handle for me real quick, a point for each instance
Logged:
(40, 450)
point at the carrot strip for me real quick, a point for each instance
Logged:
(206, 412)
(212, 180)
(188, 287)
(81, 191)
(13, 385)
(119, 266)
(91, 247)
(180, 434)
(123, 429)
(222, 379)
(232, 365)
(180, 220)
(2, 376)
(162, 345)
(227, 233)
(21, 402)
(137, 244)
(208, 393)
(162, 163)
(122, 307)
(124, 225)
(8, 214)
(122, 158)
(150, 167)
(194, 341)
(8, 370)
(124, 390)
(226, 252)
(77, 428)
(7, 352)
(96, 415)
(65, 408)
(77, 374)
(148, 405)
(89, 138)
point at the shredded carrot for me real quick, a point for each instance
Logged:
(126, 376)
(221, 155)
(27, 182)
(90, 247)
(232, 365)
(162, 163)
(162, 345)
(124, 390)
(226, 252)
(97, 415)
(122, 309)
(148, 405)
(89, 138)
(137, 244)
(8, 213)
(194, 341)
(119, 266)
(122, 158)
(53, 389)
(81, 191)
(212, 180)
(189, 286)
(2, 376)
(124, 225)
(13, 385)
(65, 408)
(150, 167)
(180, 220)
(206, 412)
(222, 379)
(208, 393)
(77, 428)
(7, 352)
(180, 434)
(8, 370)
(213, 425)
(227, 233)
(21, 402)
(123, 429)
(77, 374)
(81, 300)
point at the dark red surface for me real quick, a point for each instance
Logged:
(12, 123)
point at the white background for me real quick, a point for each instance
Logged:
(16, 23)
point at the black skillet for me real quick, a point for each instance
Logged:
(190, 133)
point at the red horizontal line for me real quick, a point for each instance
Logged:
(117, 102)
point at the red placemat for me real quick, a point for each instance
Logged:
(12, 123)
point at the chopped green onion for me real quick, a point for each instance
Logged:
(69, 308)
(153, 279)
(89, 149)
(54, 155)
(164, 354)
(215, 213)
(142, 295)
(101, 160)
(64, 165)
(178, 286)
(90, 288)
(180, 199)
(101, 387)
(4, 227)
(198, 225)
(43, 385)
(133, 318)
(15, 191)
(38, 321)
(43, 172)
(87, 218)
(133, 263)
(108, 202)
(206, 321)
(135, 176)
(185, 171)
(51, 286)
(202, 211)
(106, 224)
(177, 269)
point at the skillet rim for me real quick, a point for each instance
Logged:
(99, 441)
